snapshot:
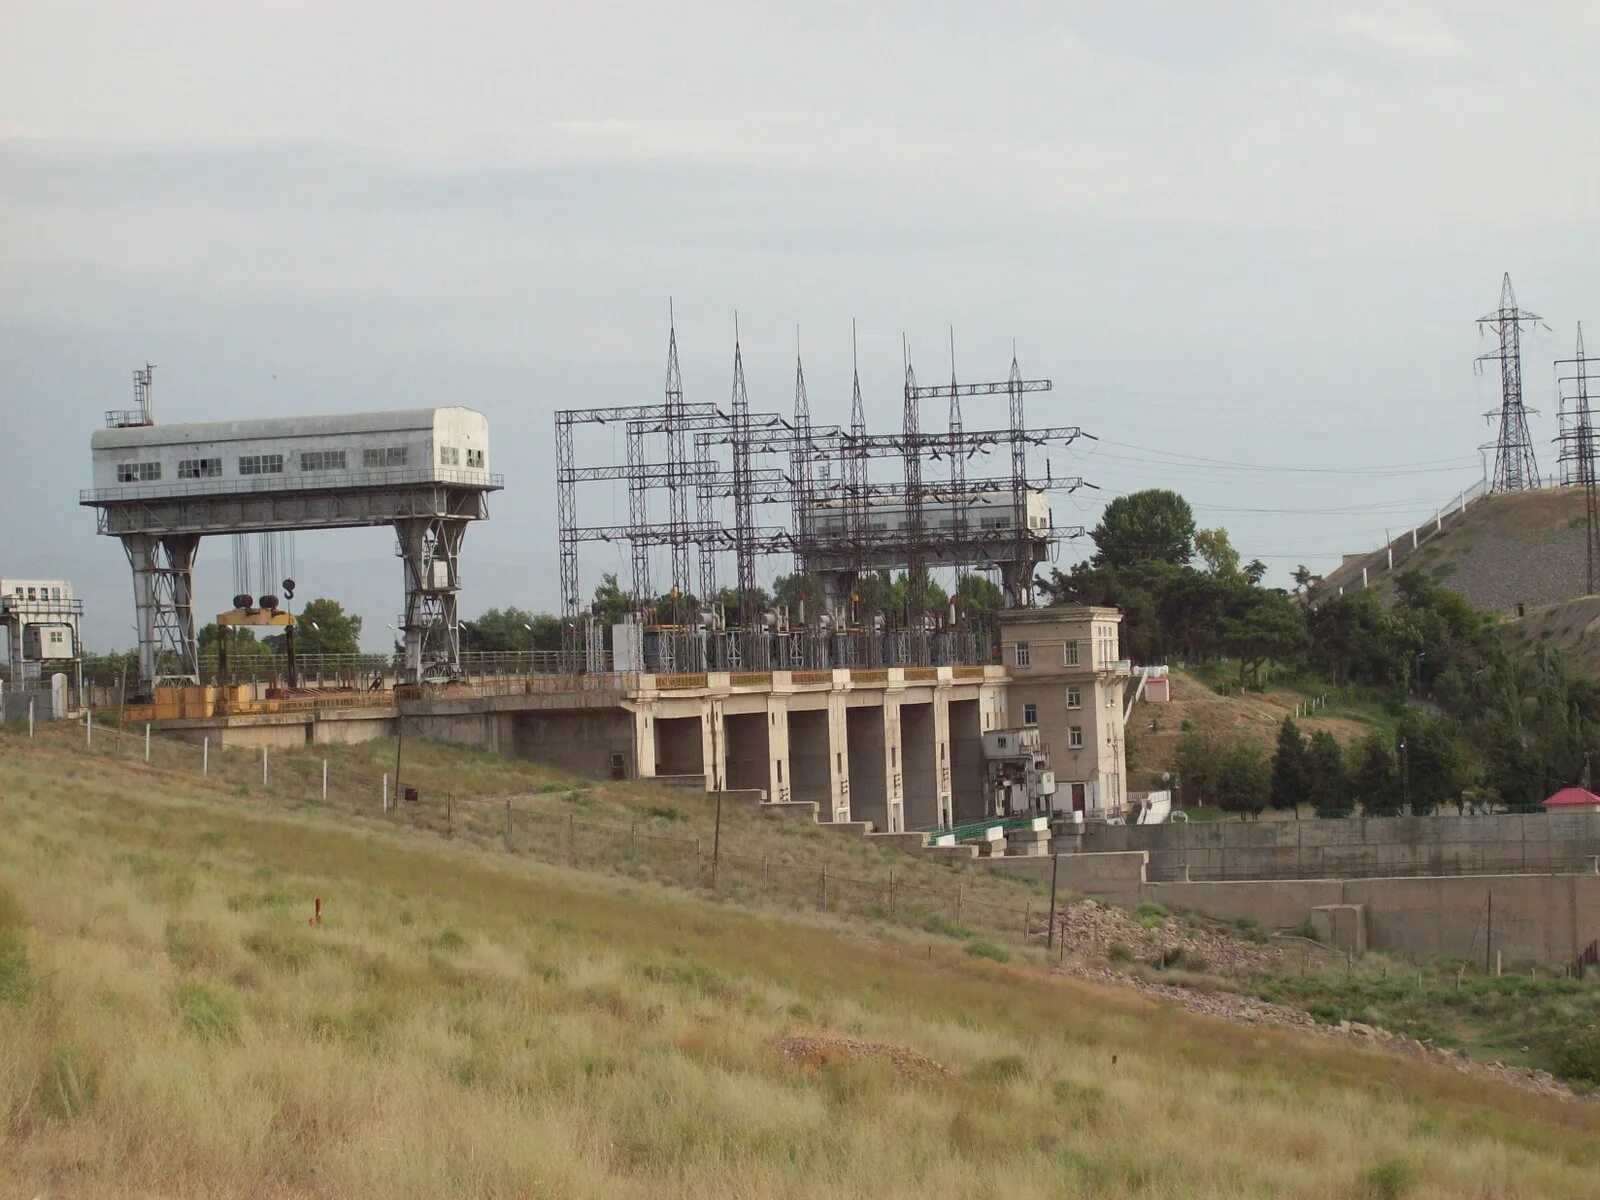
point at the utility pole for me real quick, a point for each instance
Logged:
(1514, 466)
(1405, 778)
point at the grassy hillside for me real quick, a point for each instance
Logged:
(1508, 549)
(1252, 717)
(470, 1022)
(1571, 628)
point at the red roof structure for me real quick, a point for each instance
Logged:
(1573, 797)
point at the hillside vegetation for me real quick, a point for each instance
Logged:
(1254, 717)
(469, 1022)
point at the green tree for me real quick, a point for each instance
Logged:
(1155, 524)
(611, 605)
(1330, 786)
(1263, 626)
(1304, 580)
(801, 593)
(243, 645)
(1217, 552)
(1291, 767)
(1196, 760)
(323, 627)
(1244, 782)
(1374, 779)
(1432, 761)
(512, 629)
(979, 599)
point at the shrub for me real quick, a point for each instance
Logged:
(981, 948)
(209, 1011)
(665, 812)
(1580, 1059)
(286, 951)
(1149, 908)
(1118, 953)
(71, 1083)
(1390, 1179)
(1003, 1069)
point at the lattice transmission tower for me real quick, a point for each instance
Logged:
(1514, 467)
(1577, 450)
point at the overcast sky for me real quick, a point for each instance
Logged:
(1251, 234)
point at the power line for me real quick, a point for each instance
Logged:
(1450, 464)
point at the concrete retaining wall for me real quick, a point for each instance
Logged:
(1358, 846)
(1113, 876)
(1536, 918)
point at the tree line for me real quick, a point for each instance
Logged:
(1475, 721)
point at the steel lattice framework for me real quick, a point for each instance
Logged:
(1514, 467)
(1577, 449)
(744, 463)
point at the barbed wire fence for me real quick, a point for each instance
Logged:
(641, 849)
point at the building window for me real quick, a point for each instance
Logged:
(322, 460)
(1030, 714)
(55, 593)
(138, 472)
(1069, 654)
(199, 468)
(1023, 657)
(449, 456)
(384, 456)
(261, 464)
(475, 459)
(1075, 737)
(1074, 696)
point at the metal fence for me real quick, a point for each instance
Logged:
(519, 824)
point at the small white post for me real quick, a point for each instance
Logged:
(324, 781)
(1391, 556)
(1413, 538)
(88, 727)
(205, 756)
(263, 766)
(147, 743)
(1438, 519)
(1363, 578)
(386, 791)
(30, 716)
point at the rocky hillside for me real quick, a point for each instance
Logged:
(1519, 548)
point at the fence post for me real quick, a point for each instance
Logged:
(1027, 915)
(1055, 868)
(763, 874)
(205, 756)
(147, 743)
(386, 791)
(633, 839)
(449, 817)
(508, 822)
(88, 727)
(958, 904)
(30, 716)
(324, 781)
(263, 766)
(891, 891)
(572, 838)
(824, 903)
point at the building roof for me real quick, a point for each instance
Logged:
(180, 432)
(1571, 796)
(1059, 612)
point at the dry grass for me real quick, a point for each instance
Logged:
(472, 1023)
